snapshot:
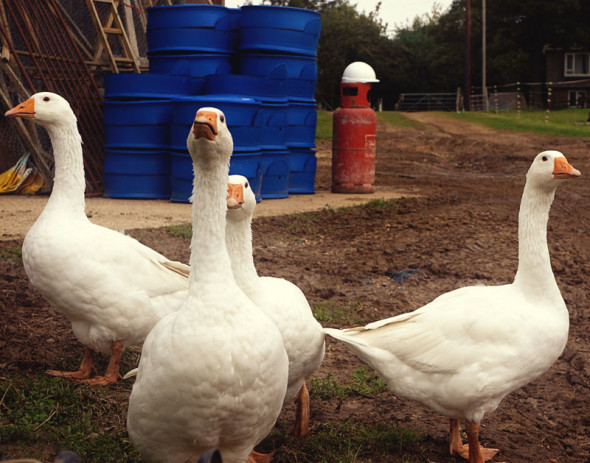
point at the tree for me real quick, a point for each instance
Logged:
(428, 54)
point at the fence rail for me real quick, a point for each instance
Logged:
(427, 102)
(518, 95)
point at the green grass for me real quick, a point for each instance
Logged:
(380, 204)
(16, 253)
(324, 125)
(364, 383)
(330, 312)
(377, 204)
(184, 230)
(565, 123)
(398, 119)
(50, 414)
(347, 442)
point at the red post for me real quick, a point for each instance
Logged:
(353, 140)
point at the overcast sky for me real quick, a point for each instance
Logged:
(393, 12)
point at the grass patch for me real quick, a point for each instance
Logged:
(301, 225)
(184, 230)
(51, 414)
(347, 442)
(377, 204)
(324, 128)
(324, 125)
(399, 120)
(330, 312)
(16, 253)
(380, 204)
(365, 383)
(565, 123)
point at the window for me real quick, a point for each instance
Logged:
(577, 64)
(576, 99)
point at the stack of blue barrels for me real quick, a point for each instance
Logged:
(282, 42)
(258, 64)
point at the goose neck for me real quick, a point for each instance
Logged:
(239, 246)
(534, 274)
(68, 182)
(209, 257)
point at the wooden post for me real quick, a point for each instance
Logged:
(467, 74)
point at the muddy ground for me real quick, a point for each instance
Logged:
(456, 226)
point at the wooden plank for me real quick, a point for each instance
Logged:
(104, 42)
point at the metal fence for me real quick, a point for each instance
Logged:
(514, 96)
(427, 102)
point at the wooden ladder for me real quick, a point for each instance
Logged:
(113, 26)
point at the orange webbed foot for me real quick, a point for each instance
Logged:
(256, 457)
(486, 453)
(478, 454)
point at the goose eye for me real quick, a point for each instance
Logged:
(46, 98)
(544, 158)
(222, 118)
(246, 185)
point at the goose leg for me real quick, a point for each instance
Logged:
(456, 446)
(86, 367)
(302, 413)
(477, 454)
(471, 451)
(112, 373)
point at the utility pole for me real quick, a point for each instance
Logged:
(484, 84)
(467, 75)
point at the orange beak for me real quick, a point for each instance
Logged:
(235, 196)
(205, 125)
(26, 109)
(563, 169)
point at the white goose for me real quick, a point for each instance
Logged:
(280, 299)
(214, 373)
(112, 288)
(465, 351)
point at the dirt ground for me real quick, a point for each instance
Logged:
(455, 224)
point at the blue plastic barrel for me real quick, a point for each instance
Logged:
(249, 165)
(275, 174)
(302, 71)
(267, 89)
(195, 28)
(302, 124)
(145, 86)
(181, 176)
(137, 174)
(241, 114)
(234, 27)
(274, 120)
(270, 91)
(279, 29)
(302, 170)
(195, 66)
(137, 124)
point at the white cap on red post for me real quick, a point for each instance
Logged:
(359, 72)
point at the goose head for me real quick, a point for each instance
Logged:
(45, 108)
(548, 169)
(241, 200)
(209, 138)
